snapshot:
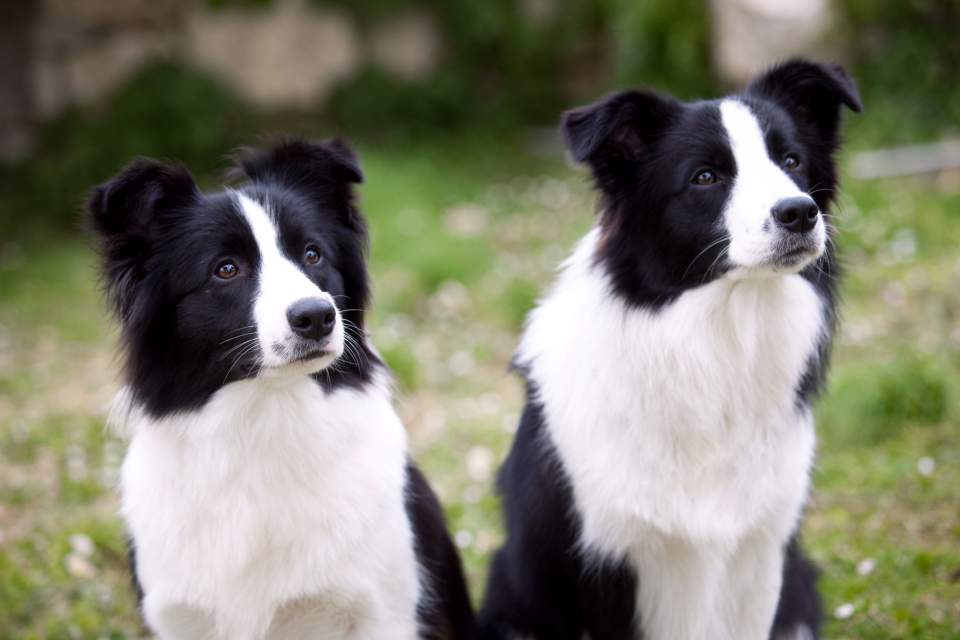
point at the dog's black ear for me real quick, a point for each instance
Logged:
(301, 163)
(619, 125)
(327, 170)
(345, 161)
(811, 91)
(126, 205)
(124, 212)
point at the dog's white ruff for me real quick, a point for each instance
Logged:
(681, 435)
(276, 511)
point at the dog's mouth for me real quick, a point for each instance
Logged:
(311, 354)
(292, 355)
(794, 253)
(797, 252)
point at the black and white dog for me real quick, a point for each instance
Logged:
(267, 488)
(656, 483)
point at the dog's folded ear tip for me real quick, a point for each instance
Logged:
(800, 83)
(125, 202)
(345, 159)
(617, 124)
(291, 157)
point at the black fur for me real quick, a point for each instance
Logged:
(540, 586)
(446, 612)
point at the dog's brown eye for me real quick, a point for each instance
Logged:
(311, 255)
(705, 178)
(791, 162)
(227, 269)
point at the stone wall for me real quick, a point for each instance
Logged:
(750, 34)
(16, 94)
(58, 53)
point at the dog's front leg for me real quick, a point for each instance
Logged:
(682, 586)
(755, 576)
(170, 619)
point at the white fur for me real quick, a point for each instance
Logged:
(759, 185)
(281, 284)
(680, 432)
(276, 510)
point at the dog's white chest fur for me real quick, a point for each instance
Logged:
(276, 511)
(680, 432)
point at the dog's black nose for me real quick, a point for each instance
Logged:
(797, 215)
(312, 318)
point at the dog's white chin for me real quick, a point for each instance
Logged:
(300, 368)
(772, 264)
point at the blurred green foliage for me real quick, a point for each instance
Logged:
(510, 63)
(378, 104)
(498, 66)
(166, 111)
(505, 64)
(880, 400)
(905, 56)
(663, 44)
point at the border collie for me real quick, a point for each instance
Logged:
(656, 482)
(267, 489)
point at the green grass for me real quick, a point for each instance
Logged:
(465, 235)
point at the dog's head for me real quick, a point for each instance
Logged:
(726, 188)
(265, 280)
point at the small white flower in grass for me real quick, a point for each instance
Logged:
(82, 545)
(396, 329)
(486, 541)
(472, 494)
(479, 463)
(926, 466)
(844, 611)
(451, 299)
(903, 247)
(76, 463)
(78, 566)
(434, 420)
(461, 363)
(77, 561)
(490, 403)
(895, 294)
(467, 220)
(866, 566)
(463, 539)
(104, 594)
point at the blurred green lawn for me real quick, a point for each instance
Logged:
(465, 235)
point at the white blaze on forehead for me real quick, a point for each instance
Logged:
(744, 132)
(264, 232)
(281, 283)
(276, 269)
(759, 184)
